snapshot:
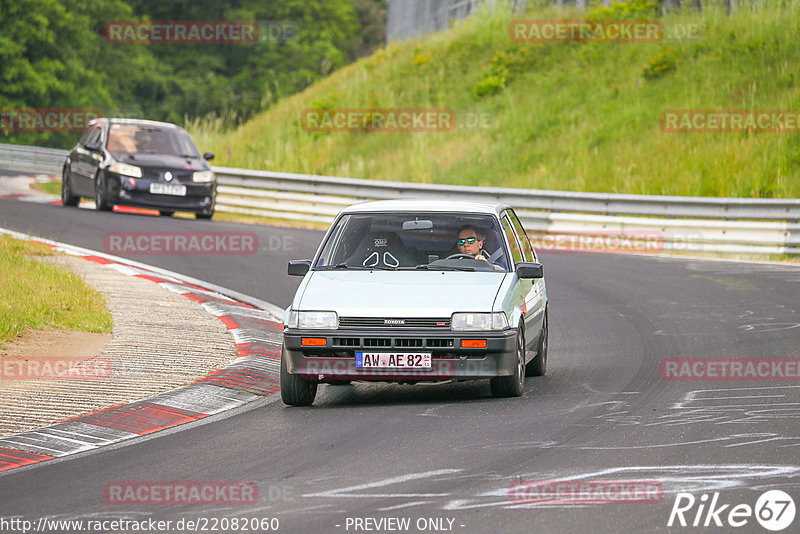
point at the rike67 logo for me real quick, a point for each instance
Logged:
(774, 510)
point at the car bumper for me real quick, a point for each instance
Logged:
(199, 196)
(337, 361)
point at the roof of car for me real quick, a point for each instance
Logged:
(426, 206)
(137, 121)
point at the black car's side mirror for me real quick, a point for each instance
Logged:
(299, 267)
(208, 156)
(526, 269)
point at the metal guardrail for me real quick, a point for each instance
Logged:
(691, 224)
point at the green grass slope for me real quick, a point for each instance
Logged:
(560, 116)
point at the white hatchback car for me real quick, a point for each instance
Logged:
(408, 291)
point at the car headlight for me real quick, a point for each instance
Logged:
(127, 170)
(317, 320)
(479, 321)
(203, 176)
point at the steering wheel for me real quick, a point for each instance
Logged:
(460, 256)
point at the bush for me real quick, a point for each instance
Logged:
(660, 64)
(630, 9)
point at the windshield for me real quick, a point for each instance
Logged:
(145, 139)
(405, 241)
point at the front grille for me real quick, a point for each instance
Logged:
(158, 175)
(394, 322)
(407, 342)
(377, 342)
(346, 341)
(397, 342)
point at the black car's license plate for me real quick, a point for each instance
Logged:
(168, 189)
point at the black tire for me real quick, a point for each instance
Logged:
(296, 390)
(67, 198)
(100, 202)
(512, 386)
(538, 365)
(166, 213)
(205, 215)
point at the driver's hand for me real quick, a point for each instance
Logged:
(481, 257)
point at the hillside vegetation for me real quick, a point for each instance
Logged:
(560, 116)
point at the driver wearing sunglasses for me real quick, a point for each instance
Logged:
(470, 241)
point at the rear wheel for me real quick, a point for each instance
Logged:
(100, 202)
(538, 365)
(67, 198)
(204, 214)
(512, 386)
(296, 390)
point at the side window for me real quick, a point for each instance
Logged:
(94, 137)
(516, 253)
(527, 249)
(85, 135)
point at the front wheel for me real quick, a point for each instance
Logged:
(296, 390)
(67, 198)
(100, 202)
(538, 365)
(204, 214)
(166, 213)
(512, 386)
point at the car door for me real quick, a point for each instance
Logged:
(86, 160)
(535, 301)
(520, 288)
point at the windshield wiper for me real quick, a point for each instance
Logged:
(428, 267)
(360, 267)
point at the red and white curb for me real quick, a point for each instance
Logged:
(256, 327)
(18, 188)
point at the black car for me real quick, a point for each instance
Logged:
(132, 162)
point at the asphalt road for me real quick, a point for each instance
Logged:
(449, 453)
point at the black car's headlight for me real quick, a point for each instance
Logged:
(203, 176)
(126, 170)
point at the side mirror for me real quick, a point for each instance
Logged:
(299, 267)
(94, 147)
(208, 156)
(526, 269)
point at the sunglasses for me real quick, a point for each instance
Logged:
(469, 240)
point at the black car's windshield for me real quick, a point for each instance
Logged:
(146, 139)
(414, 241)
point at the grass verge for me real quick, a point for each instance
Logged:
(34, 294)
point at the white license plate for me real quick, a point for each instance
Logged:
(400, 360)
(168, 189)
